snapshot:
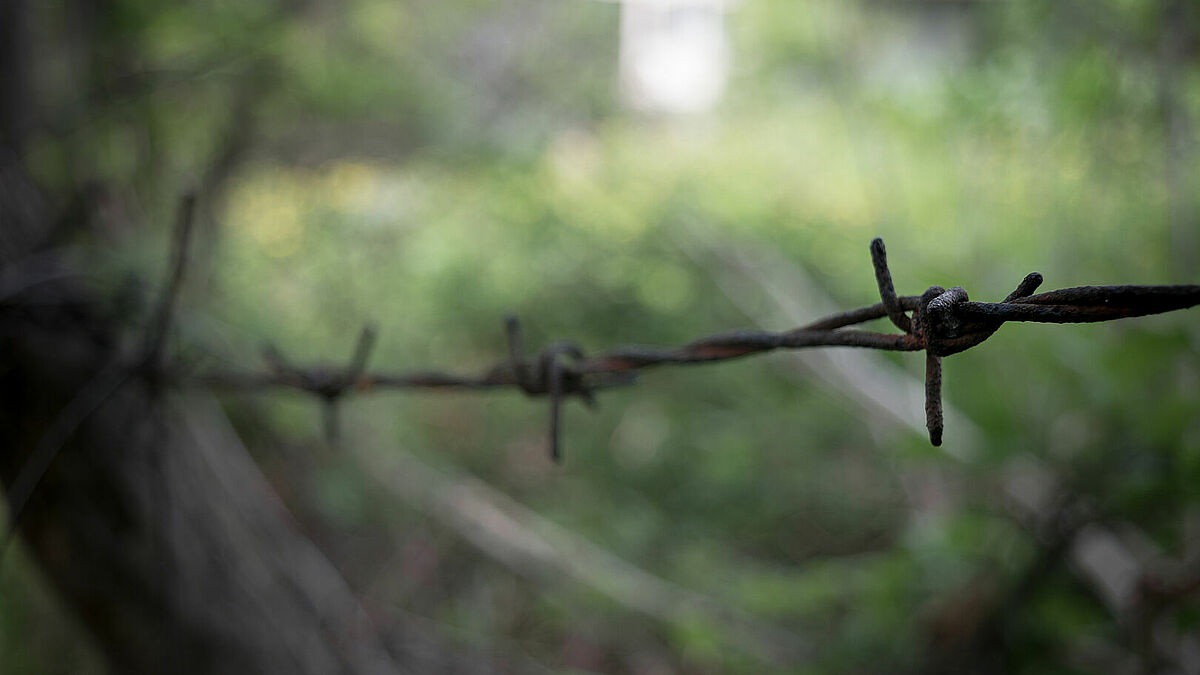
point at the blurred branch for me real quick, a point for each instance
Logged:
(160, 326)
(536, 548)
(1122, 568)
(972, 625)
(158, 529)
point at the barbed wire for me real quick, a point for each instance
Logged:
(941, 322)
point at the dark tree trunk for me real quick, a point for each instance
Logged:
(15, 109)
(156, 527)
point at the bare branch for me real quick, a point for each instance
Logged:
(160, 326)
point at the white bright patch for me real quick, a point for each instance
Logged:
(674, 55)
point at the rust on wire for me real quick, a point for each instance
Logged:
(939, 322)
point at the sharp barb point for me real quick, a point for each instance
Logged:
(1026, 288)
(887, 291)
(362, 352)
(933, 398)
(556, 390)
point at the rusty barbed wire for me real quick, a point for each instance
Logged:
(939, 322)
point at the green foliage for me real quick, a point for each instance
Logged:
(498, 176)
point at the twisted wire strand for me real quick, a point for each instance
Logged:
(939, 322)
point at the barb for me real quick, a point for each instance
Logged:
(926, 318)
(329, 384)
(887, 292)
(939, 322)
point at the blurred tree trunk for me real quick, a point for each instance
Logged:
(158, 530)
(15, 52)
(152, 522)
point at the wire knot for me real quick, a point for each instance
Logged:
(938, 324)
(326, 382)
(941, 324)
(548, 375)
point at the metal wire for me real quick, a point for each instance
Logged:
(939, 322)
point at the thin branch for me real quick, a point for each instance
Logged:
(538, 549)
(160, 326)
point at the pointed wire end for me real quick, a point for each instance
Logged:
(1026, 288)
(555, 441)
(512, 331)
(934, 421)
(272, 357)
(362, 350)
(369, 332)
(878, 253)
(887, 291)
(516, 350)
(556, 408)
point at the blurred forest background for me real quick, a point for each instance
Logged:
(648, 173)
